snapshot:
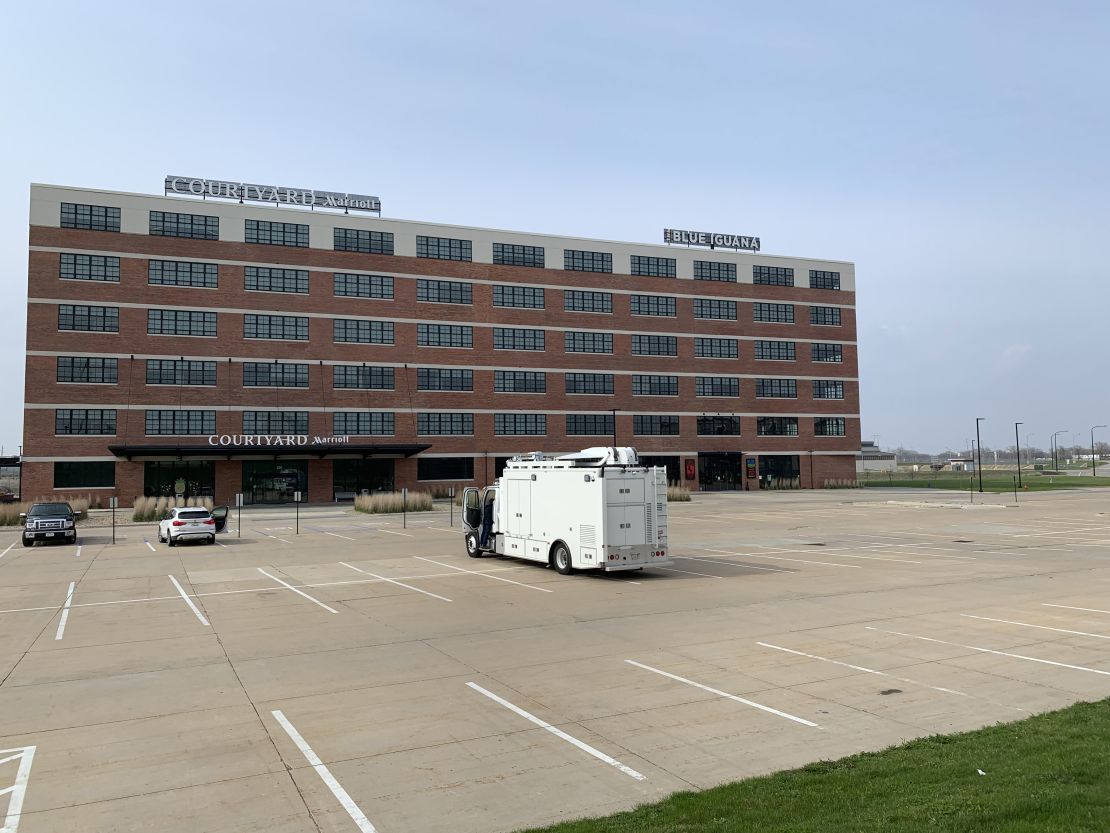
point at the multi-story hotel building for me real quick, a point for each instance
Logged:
(227, 347)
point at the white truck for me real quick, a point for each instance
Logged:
(594, 509)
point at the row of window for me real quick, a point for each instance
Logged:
(99, 370)
(204, 227)
(197, 422)
(355, 331)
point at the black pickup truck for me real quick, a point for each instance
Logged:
(49, 522)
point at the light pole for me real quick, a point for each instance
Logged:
(614, 410)
(979, 460)
(1056, 451)
(1094, 466)
(1017, 448)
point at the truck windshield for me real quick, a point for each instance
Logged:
(41, 509)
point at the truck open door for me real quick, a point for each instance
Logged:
(472, 521)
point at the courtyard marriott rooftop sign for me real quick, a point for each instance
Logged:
(710, 239)
(275, 439)
(277, 194)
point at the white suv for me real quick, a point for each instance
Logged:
(184, 523)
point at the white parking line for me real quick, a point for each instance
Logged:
(151, 546)
(390, 532)
(337, 535)
(298, 592)
(189, 602)
(1041, 627)
(1070, 607)
(688, 572)
(78, 553)
(989, 651)
(348, 804)
(18, 788)
(724, 694)
(861, 668)
(394, 581)
(559, 733)
(268, 535)
(733, 564)
(487, 575)
(5, 552)
(780, 558)
(65, 612)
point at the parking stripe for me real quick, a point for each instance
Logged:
(559, 733)
(344, 798)
(189, 602)
(65, 612)
(298, 592)
(18, 788)
(733, 564)
(388, 532)
(1041, 627)
(487, 575)
(989, 651)
(337, 535)
(145, 541)
(1070, 607)
(5, 552)
(780, 558)
(688, 572)
(394, 581)
(724, 694)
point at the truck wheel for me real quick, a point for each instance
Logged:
(28, 542)
(472, 548)
(560, 560)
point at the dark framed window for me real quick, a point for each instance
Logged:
(180, 322)
(716, 348)
(519, 381)
(828, 389)
(85, 474)
(773, 313)
(828, 426)
(773, 275)
(442, 248)
(655, 425)
(98, 421)
(363, 241)
(520, 425)
(444, 468)
(75, 267)
(510, 254)
(589, 425)
(647, 345)
(777, 351)
(88, 319)
(444, 292)
(833, 353)
(275, 375)
(776, 388)
(521, 297)
(273, 233)
(193, 226)
(820, 279)
(362, 377)
(444, 424)
(182, 273)
(583, 300)
(578, 341)
(825, 316)
(88, 370)
(652, 267)
(444, 378)
(180, 423)
(718, 426)
(661, 305)
(776, 426)
(284, 327)
(652, 385)
(577, 260)
(362, 423)
(444, 335)
(275, 422)
(715, 309)
(515, 338)
(348, 285)
(711, 270)
(592, 383)
(180, 372)
(717, 386)
(90, 217)
(355, 331)
(273, 279)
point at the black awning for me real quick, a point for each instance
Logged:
(9, 461)
(223, 452)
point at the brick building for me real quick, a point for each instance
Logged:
(236, 347)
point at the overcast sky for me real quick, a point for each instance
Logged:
(956, 152)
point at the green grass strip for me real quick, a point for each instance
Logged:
(1050, 772)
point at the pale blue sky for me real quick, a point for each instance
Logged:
(957, 152)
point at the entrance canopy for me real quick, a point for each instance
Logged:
(211, 452)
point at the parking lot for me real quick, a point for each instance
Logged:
(361, 675)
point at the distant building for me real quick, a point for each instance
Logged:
(961, 464)
(872, 459)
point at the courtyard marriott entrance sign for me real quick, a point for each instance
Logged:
(278, 194)
(710, 239)
(254, 440)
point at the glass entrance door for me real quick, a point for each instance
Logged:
(274, 481)
(718, 472)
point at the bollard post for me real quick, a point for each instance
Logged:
(405, 507)
(451, 494)
(297, 511)
(113, 502)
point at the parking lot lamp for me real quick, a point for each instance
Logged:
(1094, 465)
(979, 445)
(1017, 448)
(1056, 450)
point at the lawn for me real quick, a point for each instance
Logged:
(1050, 772)
(991, 482)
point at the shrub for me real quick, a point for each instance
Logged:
(841, 484)
(152, 509)
(386, 502)
(9, 513)
(678, 494)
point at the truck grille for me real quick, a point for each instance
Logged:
(50, 525)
